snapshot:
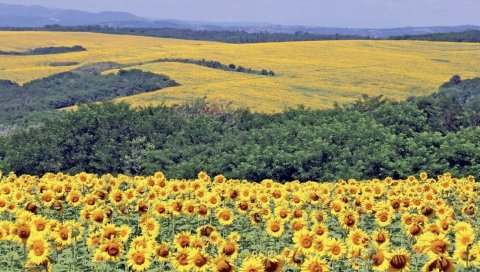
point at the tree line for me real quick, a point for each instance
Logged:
(46, 51)
(220, 66)
(230, 36)
(464, 36)
(227, 36)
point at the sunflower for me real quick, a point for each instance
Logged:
(222, 264)
(39, 224)
(113, 250)
(469, 209)
(279, 195)
(160, 209)
(414, 230)
(381, 237)
(234, 236)
(212, 200)
(3, 234)
(282, 212)
(47, 197)
(189, 208)
(150, 227)
(252, 264)
(205, 231)
(464, 238)
(180, 261)
(357, 239)
(314, 264)
(242, 206)
(476, 252)
(39, 249)
(138, 259)
(99, 216)
(203, 211)
(162, 252)
(74, 198)
(225, 216)
(462, 226)
(465, 257)
(21, 232)
(368, 205)
(204, 177)
(298, 225)
(116, 197)
(228, 248)
(336, 207)
(427, 210)
(399, 261)
(445, 224)
(295, 257)
(200, 260)
(215, 238)
(143, 242)
(93, 240)
(18, 197)
(123, 232)
(384, 218)
(255, 217)
(3, 203)
(440, 263)
(273, 263)
(380, 258)
(320, 229)
(274, 227)
(303, 240)
(197, 242)
(433, 243)
(318, 216)
(298, 213)
(142, 206)
(182, 240)
(264, 199)
(335, 249)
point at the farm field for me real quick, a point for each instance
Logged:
(105, 223)
(315, 74)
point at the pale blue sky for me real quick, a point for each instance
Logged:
(334, 13)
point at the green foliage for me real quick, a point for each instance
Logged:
(465, 36)
(32, 102)
(46, 51)
(454, 106)
(218, 65)
(373, 137)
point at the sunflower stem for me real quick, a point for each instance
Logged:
(25, 252)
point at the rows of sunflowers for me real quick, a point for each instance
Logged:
(87, 222)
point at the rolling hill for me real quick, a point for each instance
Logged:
(315, 74)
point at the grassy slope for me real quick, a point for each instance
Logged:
(311, 73)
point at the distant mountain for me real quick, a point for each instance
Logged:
(38, 16)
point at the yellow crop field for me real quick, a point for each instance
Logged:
(315, 74)
(88, 222)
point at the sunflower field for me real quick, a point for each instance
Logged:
(310, 73)
(86, 222)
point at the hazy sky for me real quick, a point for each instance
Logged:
(341, 13)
